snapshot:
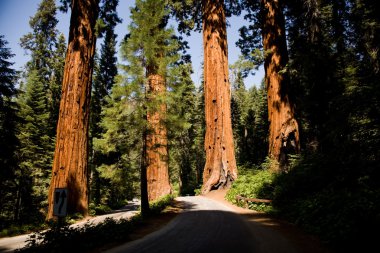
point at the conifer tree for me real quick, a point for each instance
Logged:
(70, 165)
(240, 106)
(184, 128)
(47, 51)
(34, 158)
(210, 17)
(104, 75)
(267, 33)
(150, 49)
(8, 133)
(121, 144)
(39, 111)
(55, 84)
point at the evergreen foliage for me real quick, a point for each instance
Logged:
(333, 50)
(186, 130)
(121, 145)
(249, 116)
(105, 71)
(47, 50)
(129, 101)
(36, 147)
(38, 110)
(331, 189)
(8, 134)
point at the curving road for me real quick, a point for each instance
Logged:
(209, 226)
(10, 244)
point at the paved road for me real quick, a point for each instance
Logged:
(10, 244)
(209, 226)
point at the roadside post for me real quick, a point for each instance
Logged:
(60, 204)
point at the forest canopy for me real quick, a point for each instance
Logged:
(111, 129)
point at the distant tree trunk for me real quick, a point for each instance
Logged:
(283, 130)
(220, 168)
(157, 170)
(71, 151)
(143, 178)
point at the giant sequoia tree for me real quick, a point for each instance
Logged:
(150, 48)
(71, 150)
(283, 127)
(267, 32)
(220, 168)
(38, 106)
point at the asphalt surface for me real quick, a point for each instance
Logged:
(205, 225)
(209, 226)
(10, 244)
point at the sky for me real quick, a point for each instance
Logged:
(14, 23)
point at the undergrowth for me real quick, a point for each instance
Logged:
(252, 183)
(89, 237)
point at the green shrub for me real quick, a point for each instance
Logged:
(159, 205)
(252, 183)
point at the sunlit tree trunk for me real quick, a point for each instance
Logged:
(283, 130)
(220, 168)
(71, 150)
(157, 170)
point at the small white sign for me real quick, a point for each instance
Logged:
(60, 202)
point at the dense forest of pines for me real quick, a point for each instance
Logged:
(109, 132)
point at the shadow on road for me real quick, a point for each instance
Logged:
(197, 231)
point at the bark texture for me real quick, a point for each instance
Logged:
(220, 168)
(283, 130)
(70, 168)
(157, 170)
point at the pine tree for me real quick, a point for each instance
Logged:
(121, 144)
(47, 50)
(240, 106)
(70, 165)
(8, 133)
(39, 111)
(184, 129)
(34, 158)
(104, 78)
(55, 83)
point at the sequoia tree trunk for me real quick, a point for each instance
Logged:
(220, 168)
(283, 130)
(70, 168)
(157, 170)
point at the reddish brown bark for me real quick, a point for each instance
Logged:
(157, 171)
(220, 168)
(283, 130)
(71, 149)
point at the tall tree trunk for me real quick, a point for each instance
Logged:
(71, 151)
(156, 140)
(143, 178)
(220, 168)
(283, 130)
